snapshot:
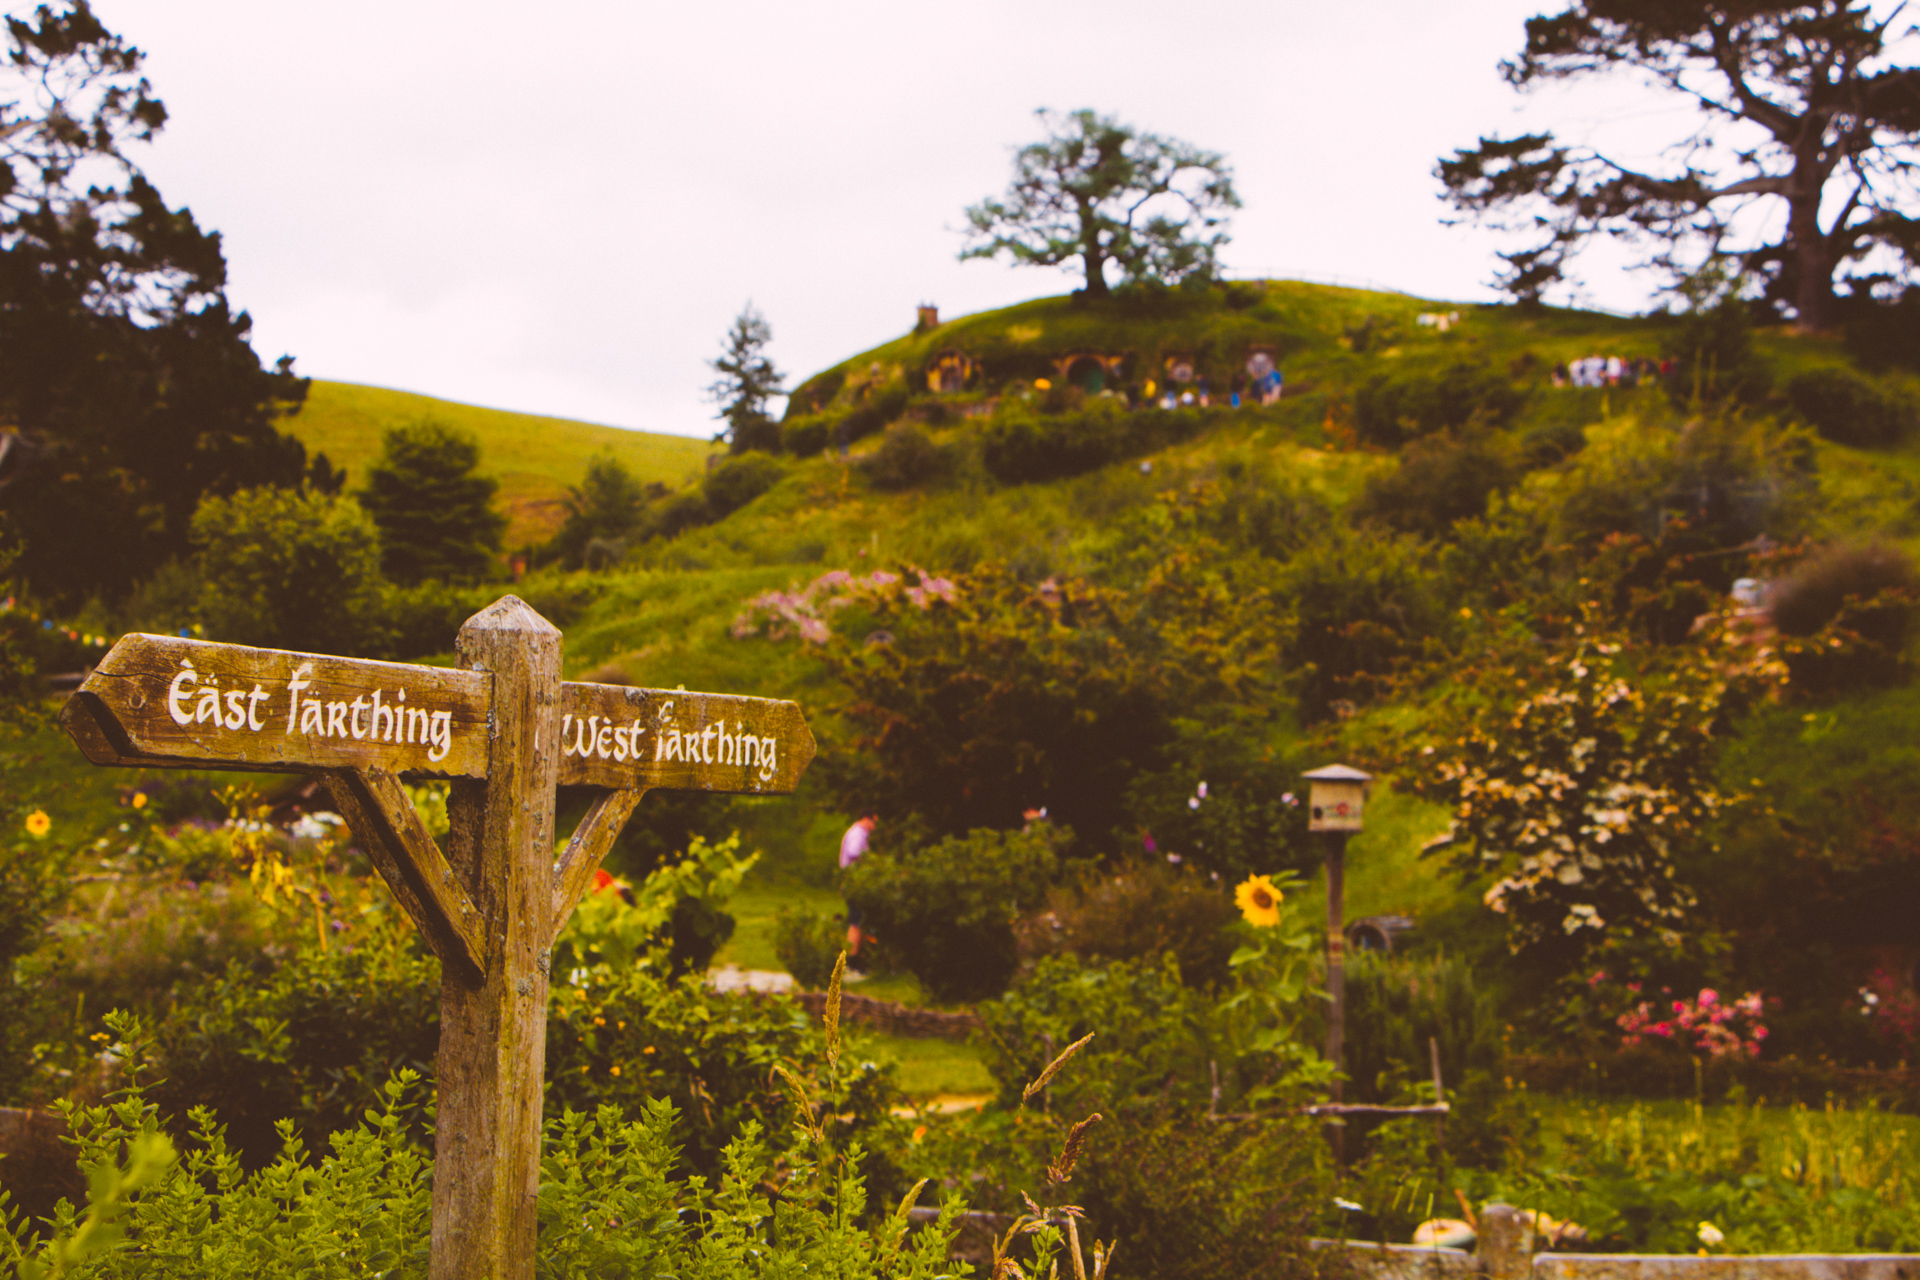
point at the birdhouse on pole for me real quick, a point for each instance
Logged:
(1338, 798)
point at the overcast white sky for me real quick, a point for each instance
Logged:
(560, 208)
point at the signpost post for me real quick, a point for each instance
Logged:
(507, 732)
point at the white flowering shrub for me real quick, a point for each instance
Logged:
(1578, 795)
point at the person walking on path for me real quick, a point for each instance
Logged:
(853, 847)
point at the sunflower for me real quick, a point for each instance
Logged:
(38, 823)
(1258, 901)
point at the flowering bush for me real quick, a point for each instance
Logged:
(1894, 1011)
(1579, 796)
(805, 612)
(1716, 1027)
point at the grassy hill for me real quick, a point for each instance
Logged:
(1589, 468)
(534, 458)
(664, 617)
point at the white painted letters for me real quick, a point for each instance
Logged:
(178, 692)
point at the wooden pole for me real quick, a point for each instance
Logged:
(492, 1056)
(1337, 978)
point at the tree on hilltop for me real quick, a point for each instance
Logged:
(436, 516)
(747, 381)
(1802, 166)
(1100, 191)
(125, 376)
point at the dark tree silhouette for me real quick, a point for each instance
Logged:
(1803, 112)
(126, 380)
(436, 517)
(746, 381)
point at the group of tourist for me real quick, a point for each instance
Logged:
(1609, 371)
(1263, 389)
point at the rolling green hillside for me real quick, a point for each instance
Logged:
(534, 458)
(664, 617)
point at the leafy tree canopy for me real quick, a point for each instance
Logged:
(746, 380)
(289, 569)
(126, 381)
(435, 515)
(604, 510)
(1801, 169)
(1100, 191)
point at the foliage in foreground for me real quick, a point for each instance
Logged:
(609, 1201)
(1642, 1177)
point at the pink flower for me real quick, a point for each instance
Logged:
(1708, 997)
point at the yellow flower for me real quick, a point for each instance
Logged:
(38, 823)
(1258, 901)
(139, 799)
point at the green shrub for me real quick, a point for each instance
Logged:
(148, 946)
(1020, 446)
(738, 481)
(1364, 601)
(610, 1202)
(311, 1041)
(1815, 592)
(1547, 443)
(907, 457)
(1392, 408)
(1847, 613)
(423, 620)
(34, 883)
(808, 943)
(681, 512)
(1191, 1200)
(1713, 357)
(435, 513)
(1395, 1005)
(1441, 478)
(609, 505)
(1847, 408)
(1143, 910)
(622, 1036)
(946, 912)
(807, 435)
(1070, 433)
(289, 569)
(873, 415)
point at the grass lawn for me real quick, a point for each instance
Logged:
(534, 458)
(928, 1070)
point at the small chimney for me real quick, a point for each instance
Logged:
(929, 318)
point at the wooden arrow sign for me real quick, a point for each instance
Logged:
(613, 736)
(165, 702)
(508, 733)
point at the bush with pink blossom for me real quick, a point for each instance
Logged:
(1705, 1024)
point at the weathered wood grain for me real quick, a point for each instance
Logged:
(162, 700)
(591, 840)
(378, 809)
(662, 739)
(492, 1056)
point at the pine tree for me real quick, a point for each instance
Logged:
(747, 381)
(436, 518)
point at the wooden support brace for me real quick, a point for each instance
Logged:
(591, 840)
(378, 809)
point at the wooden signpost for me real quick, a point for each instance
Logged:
(507, 732)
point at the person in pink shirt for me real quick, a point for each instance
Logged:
(853, 847)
